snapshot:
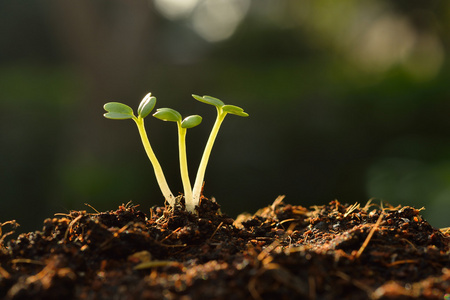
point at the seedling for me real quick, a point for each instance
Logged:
(168, 114)
(119, 111)
(222, 111)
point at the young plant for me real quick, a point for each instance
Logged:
(168, 114)
(119, 111)
(222, 111)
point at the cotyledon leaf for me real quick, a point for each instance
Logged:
(167, 114)
(191, 121)
(235, 110)
(118, 111)
(209, 100)
(146, 106)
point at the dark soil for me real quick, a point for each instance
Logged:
(334, 251)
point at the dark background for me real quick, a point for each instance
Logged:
(348, 100)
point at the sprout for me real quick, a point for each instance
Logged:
(119, 111)
(168, 114)
(222, 111)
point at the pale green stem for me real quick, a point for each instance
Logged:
(156, 166)
(206, 153)
(184, 168)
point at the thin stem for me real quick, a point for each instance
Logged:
(206, 153)
(184, 168)
(156, 166)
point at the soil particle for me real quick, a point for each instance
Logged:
(334, 251)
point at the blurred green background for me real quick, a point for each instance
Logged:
(348, 100)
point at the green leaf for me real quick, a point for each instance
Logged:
(146, 106)
(191, 121)
(209, 100)
(117, 116)
(118, 111)
(235, 110)
(167, 114)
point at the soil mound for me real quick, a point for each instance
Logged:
(334, 251)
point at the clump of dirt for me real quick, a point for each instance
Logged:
(334, 251)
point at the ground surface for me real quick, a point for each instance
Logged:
(334, 251)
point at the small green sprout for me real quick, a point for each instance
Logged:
(119, 111)
(222, 111)
(168, 114)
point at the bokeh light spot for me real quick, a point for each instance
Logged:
(175, 9)
(217, 20)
